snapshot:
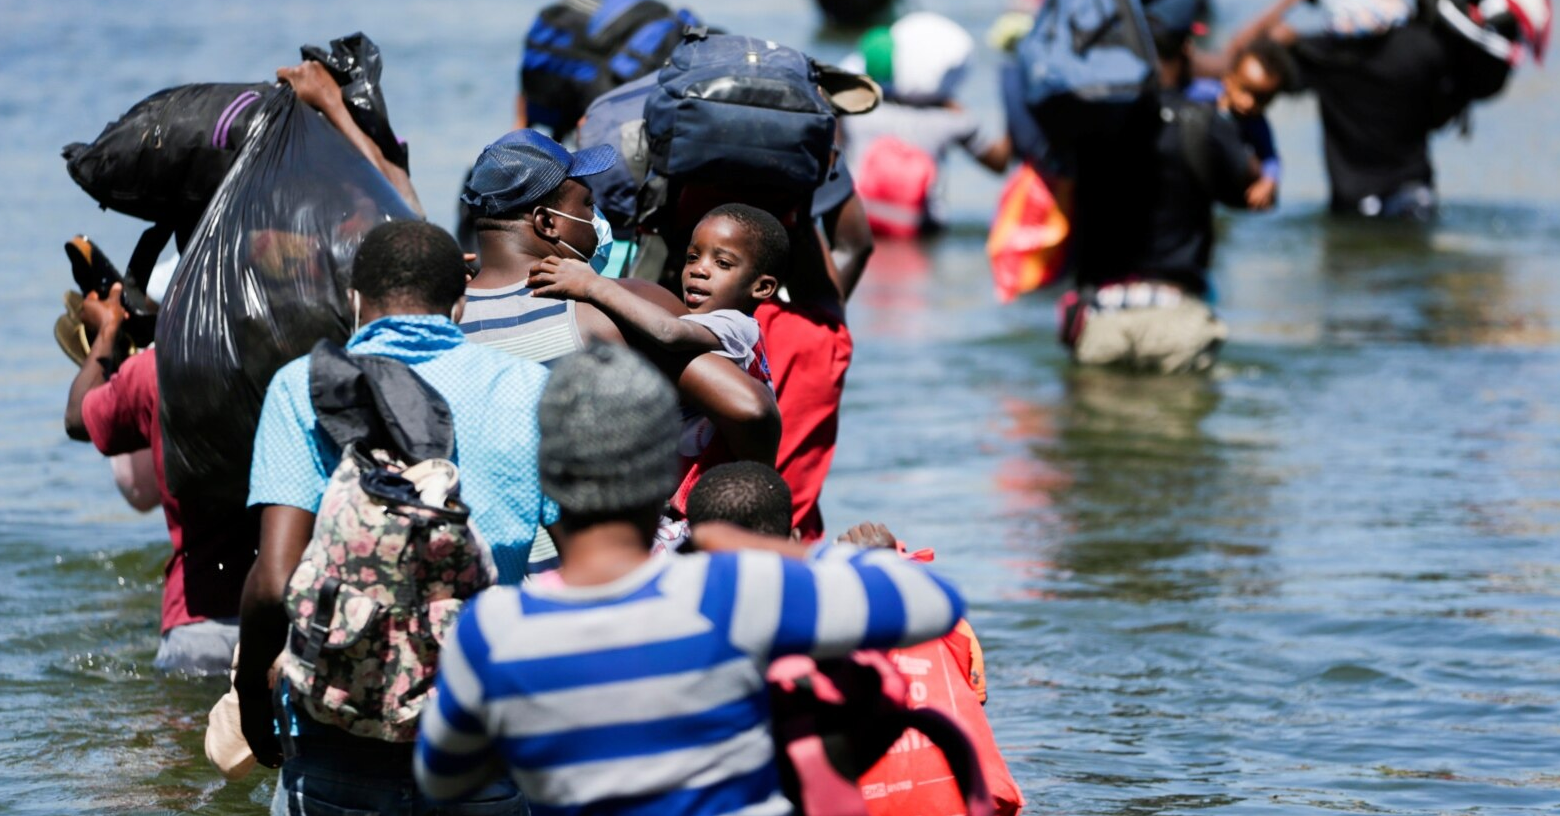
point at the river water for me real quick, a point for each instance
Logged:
(1323, 579)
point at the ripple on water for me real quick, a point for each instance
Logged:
(1320, 580)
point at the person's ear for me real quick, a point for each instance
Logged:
(796, 534)
(459, 309)
(764, 287)
(543, 223)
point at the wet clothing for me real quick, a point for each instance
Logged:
(647, 694)
(809, 351)
(212, 548)
(493, 398)
(510, 320)
(1254, 130)
(336, 773)
(1143, 210)
(1178, 334)
(199, 649)
(1378, 100)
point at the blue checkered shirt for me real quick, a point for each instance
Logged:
(493, 397)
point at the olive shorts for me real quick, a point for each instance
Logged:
(1160, 339)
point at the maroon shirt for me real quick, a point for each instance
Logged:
(211, 554)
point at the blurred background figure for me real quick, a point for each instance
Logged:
(895, 151)
(577, 50)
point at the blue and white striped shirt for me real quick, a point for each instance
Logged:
(647, 695)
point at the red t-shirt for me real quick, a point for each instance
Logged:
(122, 417)
(809, 352)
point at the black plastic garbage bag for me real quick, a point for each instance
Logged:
(164, 158)
(355, 64)
(262, 279)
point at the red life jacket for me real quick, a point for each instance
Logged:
(945, 675)
(913, 778)
(834, 718)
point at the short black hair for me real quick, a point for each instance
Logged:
(769, 238)
(410, 261)
(748, 494)
(502, 220)
(1274, 59)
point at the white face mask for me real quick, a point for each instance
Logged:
(357, 309)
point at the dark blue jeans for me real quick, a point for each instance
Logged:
(325, 778)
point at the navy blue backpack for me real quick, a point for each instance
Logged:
(617, 118)
(739, 110)
(573, 56)
(1086, 69)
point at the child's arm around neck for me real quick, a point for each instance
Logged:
(573, 280)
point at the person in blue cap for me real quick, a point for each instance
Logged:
(530, 204)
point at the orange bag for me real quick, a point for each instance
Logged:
(895, 182)
(1027, 243)
(947, 675)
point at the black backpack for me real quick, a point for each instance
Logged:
(163, 160)
(573, 56)
(165, 157)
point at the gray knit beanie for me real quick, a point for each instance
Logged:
(609, 432)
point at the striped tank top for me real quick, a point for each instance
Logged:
(510, 320)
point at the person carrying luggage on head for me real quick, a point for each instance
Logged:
(774, 127)
(115, 403)
(1148, 167)
(894, 152)
(575, 51)
(1387, 74)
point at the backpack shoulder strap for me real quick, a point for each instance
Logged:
(379, 401)
(319, 625)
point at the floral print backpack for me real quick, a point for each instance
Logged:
(393, 556)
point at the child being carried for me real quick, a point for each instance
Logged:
(733, 264)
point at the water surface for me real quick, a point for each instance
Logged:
(1323, 579)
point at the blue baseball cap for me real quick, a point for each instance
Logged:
(523, 166)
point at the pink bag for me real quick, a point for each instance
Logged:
(895, 182)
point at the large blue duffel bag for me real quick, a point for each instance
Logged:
(739, 110)
(1087, 70)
